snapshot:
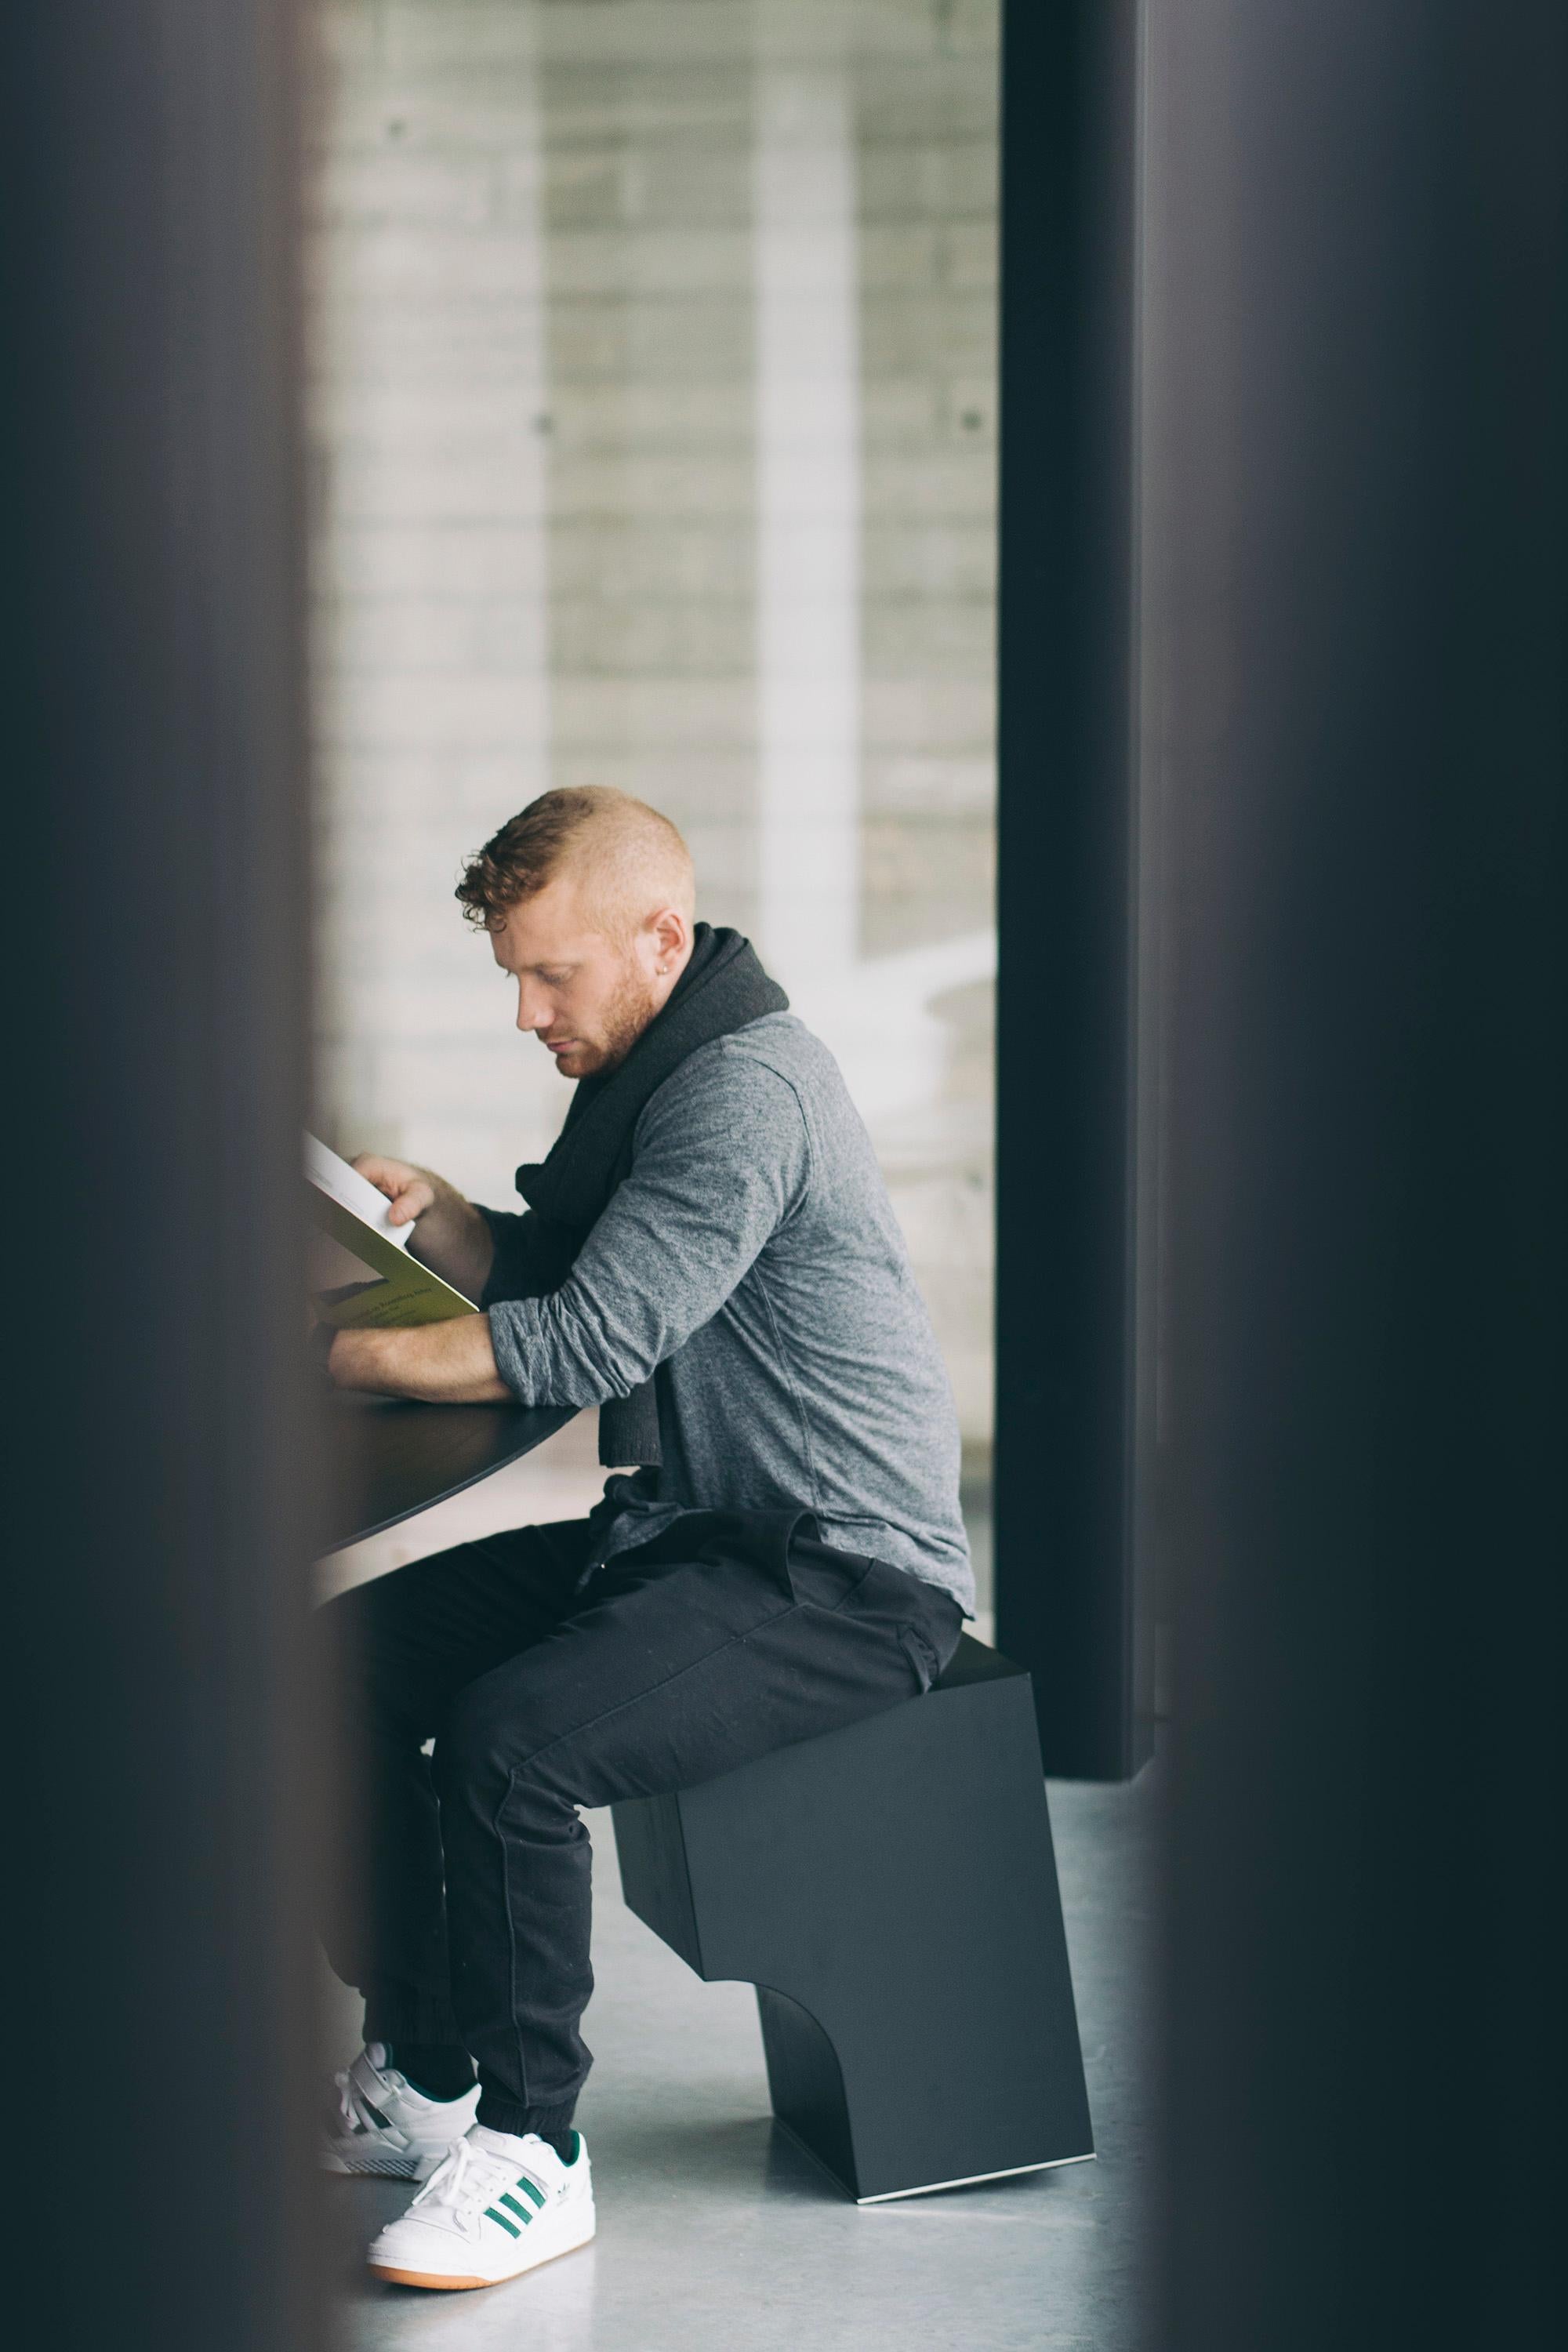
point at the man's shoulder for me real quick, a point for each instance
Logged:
(773, 1072)
(744, 1066)
(775, 1054)
(779, 1042)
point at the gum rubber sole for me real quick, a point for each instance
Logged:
(442, 2280)
(427, 2278)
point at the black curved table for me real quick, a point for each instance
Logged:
(389, 1459)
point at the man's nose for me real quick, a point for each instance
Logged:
(533, 1010)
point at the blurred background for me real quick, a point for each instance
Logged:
(652, 429)
(414, 404)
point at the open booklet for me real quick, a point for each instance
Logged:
(361, 1274)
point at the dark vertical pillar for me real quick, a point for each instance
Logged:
(157, 2033)
(1357, 398)
(1069, 1598)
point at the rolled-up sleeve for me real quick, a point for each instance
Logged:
(721, 1156)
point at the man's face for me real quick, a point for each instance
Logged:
(587, 996)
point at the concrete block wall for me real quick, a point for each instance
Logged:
(653, 388)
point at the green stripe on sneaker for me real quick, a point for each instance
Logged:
(530, 2188)
(509, 2227)
(521, 2211)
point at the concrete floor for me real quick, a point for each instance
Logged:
(715, 2233)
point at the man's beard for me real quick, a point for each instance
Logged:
(626, 1017)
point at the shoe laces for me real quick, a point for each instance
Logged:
(469, 2176)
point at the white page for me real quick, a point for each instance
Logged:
(352, 1190)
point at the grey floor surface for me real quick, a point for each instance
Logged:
(716, 2235)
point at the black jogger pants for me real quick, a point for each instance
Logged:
(460, 1880)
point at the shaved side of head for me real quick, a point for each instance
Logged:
(628, 862)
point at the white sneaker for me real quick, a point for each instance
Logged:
(382, 2124)
(499, 2205)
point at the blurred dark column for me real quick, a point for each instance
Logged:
(1357, 617)
(1070, 1600)
(157, 2041)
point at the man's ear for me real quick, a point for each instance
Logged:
(672, 934)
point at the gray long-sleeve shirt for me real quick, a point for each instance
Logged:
(752, 1252)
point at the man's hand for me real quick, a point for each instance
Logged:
(439, 1363)
(450, 1236)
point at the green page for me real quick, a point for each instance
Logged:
(384, 1288)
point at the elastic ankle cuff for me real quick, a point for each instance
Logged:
(500, 2114)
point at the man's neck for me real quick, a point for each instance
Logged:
(666, 984)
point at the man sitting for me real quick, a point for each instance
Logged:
(709, 1256)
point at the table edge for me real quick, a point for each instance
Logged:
(555, 1416)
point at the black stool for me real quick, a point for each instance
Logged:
(890, 1890)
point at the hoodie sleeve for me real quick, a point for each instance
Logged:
(721, 1156)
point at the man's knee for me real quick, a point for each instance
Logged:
(497, 1731)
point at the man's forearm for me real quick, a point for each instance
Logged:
(454, 1240)
(438, 1363)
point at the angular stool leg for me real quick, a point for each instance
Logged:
(890, 1890)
